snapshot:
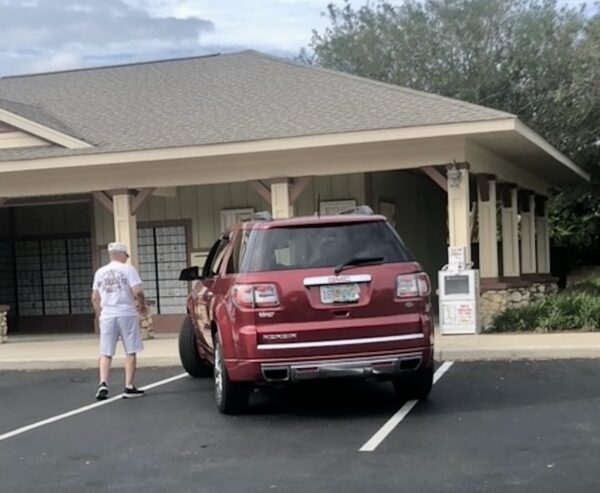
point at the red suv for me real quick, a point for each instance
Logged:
(308, 298)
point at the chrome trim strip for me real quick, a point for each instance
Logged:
(324, 362)
(341, 342)
(323, 280)
(343, 360)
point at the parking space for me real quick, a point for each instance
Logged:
(487, 427)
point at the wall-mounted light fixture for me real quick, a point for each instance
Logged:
(454, 176)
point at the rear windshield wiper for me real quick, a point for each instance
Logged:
(359, 261)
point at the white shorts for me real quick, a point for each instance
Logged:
(125, 328)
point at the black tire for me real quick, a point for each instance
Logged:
(416, 385)
(231, 397)
(191, 360)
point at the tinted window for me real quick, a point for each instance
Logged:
(322, 246)
(239, 250)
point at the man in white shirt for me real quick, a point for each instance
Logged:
(118, 300)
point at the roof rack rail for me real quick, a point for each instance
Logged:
(261, 216)
(361, 209)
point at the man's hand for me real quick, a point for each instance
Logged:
(142, 308)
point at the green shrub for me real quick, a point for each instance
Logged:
(519, 319)
(575, 309)
(590, 286)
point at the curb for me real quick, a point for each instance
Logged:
(516, 354)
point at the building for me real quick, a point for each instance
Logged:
(164, 155)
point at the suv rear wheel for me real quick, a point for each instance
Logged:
(416, 385)
(191, 360)
(231, 397)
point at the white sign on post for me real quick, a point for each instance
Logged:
(457, 257)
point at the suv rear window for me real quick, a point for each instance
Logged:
(322, 246)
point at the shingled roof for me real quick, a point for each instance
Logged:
(228, 98)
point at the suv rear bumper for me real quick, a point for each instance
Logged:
(357, 365)
(362, 367)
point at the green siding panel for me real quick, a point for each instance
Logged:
(421, 214)
(203, 204)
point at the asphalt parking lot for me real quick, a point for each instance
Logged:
(522, 426)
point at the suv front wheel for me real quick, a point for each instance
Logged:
(191, 360)
(231, 397)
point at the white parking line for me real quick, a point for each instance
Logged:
(397, 418)
(84, 409)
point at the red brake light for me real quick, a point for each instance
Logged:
(255, 295)
(412, 285)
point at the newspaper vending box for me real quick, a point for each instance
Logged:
(458, 298)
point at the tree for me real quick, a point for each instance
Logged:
(527, 57)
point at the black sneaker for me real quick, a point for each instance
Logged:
(132, 393)
(102, 392)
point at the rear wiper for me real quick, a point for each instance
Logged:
(359, 261)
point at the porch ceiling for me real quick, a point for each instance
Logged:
(527, 150)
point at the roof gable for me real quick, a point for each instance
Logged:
(36, 121)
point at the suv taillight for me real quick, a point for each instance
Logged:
(255, 295)
(412, 285)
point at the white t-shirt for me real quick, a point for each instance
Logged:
(114, 282)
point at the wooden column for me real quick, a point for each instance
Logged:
(528, 248)
(277, 191)
(125, 223)
(510, 232)
(488, 226)
(459, 207)
(281, 204)
(542, 236)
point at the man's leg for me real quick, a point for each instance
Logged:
(132, 344)
(108, 341)
(130, 364)
(105, 362)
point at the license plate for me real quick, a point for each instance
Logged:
(340, 293)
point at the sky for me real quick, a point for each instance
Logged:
(50, 35)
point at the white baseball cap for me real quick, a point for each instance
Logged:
(117, 247)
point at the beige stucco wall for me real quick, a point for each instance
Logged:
(421, 214)
(202, 205)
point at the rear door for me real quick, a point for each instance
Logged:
(204, 290)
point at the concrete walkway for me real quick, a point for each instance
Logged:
(81, 351)
(78, 351)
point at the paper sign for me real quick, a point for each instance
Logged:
(458, 314)
(457, 258)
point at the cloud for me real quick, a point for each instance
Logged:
(274, 26)
(64, 33)
(62, 60)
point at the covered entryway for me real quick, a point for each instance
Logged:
(236, 134)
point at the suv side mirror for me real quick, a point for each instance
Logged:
(190, 274)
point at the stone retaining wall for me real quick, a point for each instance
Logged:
(497, 301)
(3, 322)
